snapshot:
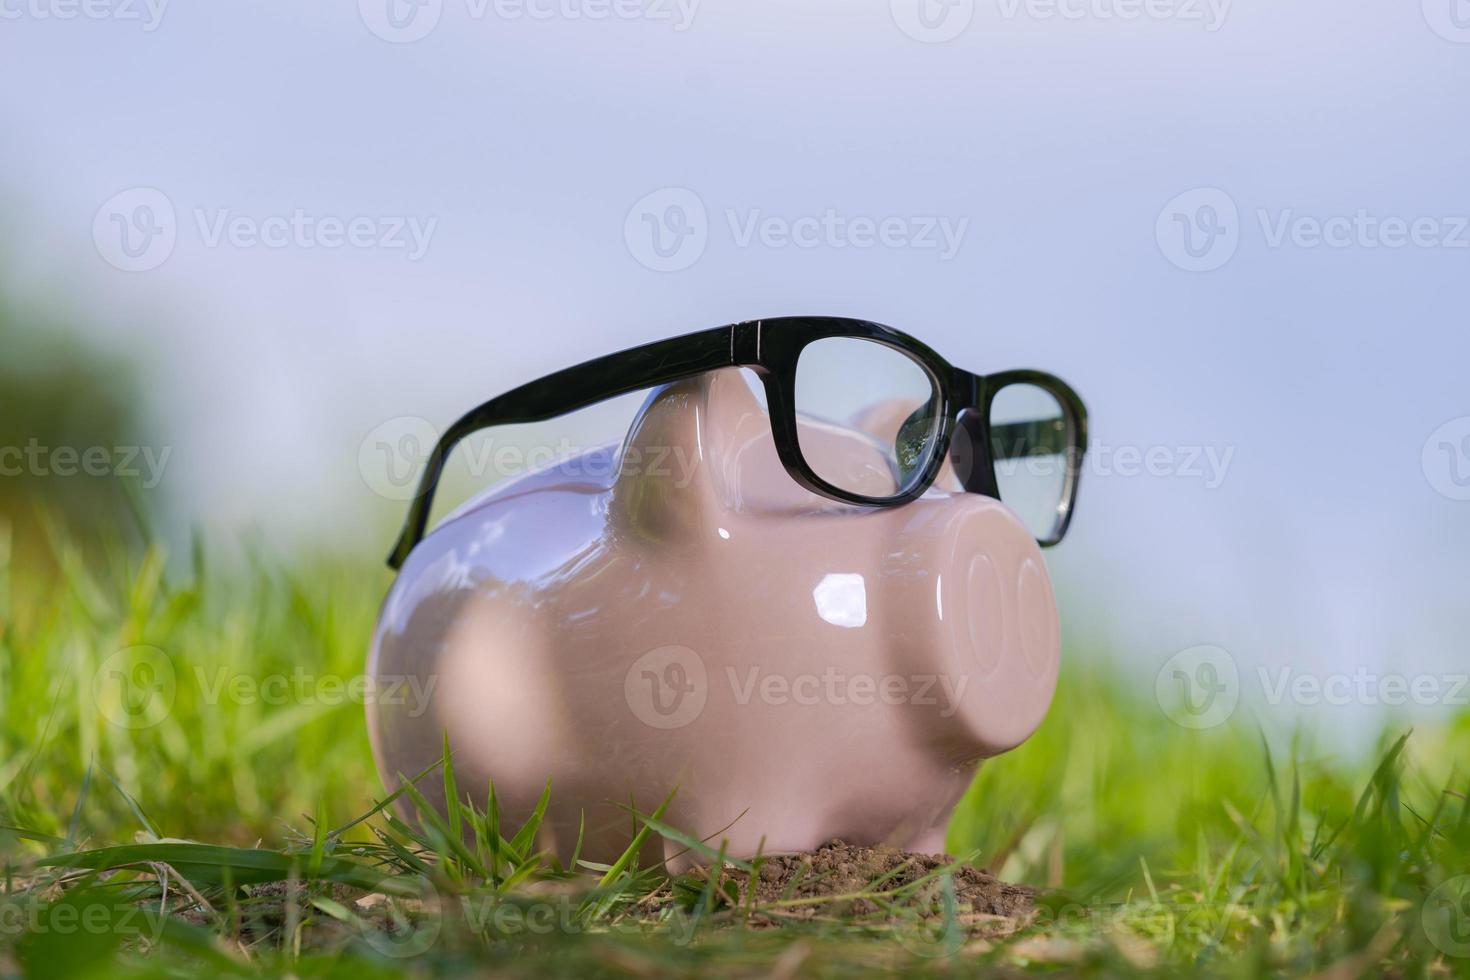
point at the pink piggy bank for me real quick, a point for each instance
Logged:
(677, 616)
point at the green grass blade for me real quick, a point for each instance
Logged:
(626, 859)
(525, 838)
(692, 843)
(133, 806)
(451, 846)
(76, 814)
(451, 793)
(207, 863)
(382, 804)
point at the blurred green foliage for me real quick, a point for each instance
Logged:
(60, 394)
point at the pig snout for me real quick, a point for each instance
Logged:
(992, 633)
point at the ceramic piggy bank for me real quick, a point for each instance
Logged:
(675, 615)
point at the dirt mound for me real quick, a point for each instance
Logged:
(864, 880)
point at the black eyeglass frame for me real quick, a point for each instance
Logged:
(771, 348)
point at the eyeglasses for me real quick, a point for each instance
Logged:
(860, 413)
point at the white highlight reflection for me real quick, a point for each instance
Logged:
(842, 599)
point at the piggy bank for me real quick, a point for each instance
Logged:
(675, 618)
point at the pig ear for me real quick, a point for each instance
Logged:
(661, 493)
(697, 450)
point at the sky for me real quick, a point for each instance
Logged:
(1237, 227)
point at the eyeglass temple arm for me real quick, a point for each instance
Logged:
(564, 392)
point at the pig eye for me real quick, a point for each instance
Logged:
(867, 415)
(1030, 436)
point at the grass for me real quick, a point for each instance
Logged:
(241, 831)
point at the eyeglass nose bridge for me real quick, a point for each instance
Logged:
(970, 456)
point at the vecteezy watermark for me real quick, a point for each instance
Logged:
(1202, 924)
(148, 14)
(937, 21)
(411, 692)
(391, 457)
(1198, 688)
(841, 688)
(1165, 922)
(669, 229)
(405, 21)
(670, 687)
(80, 914)
(932, 21)
(1209, 465)
(408, 926)
(510, 916)
(1362, 229)
(135, 687)
(1446, 917)
(939, 934)
(1362, 686)
(137, 229)
(941, 234)
(667, 688)
(1210, 14)
(1200, 230)
(1450, 19)
(127, 462)
(398, 926)
(138, 686)
(1446, 459)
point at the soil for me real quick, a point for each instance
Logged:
(840, 869)
(877, 886)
